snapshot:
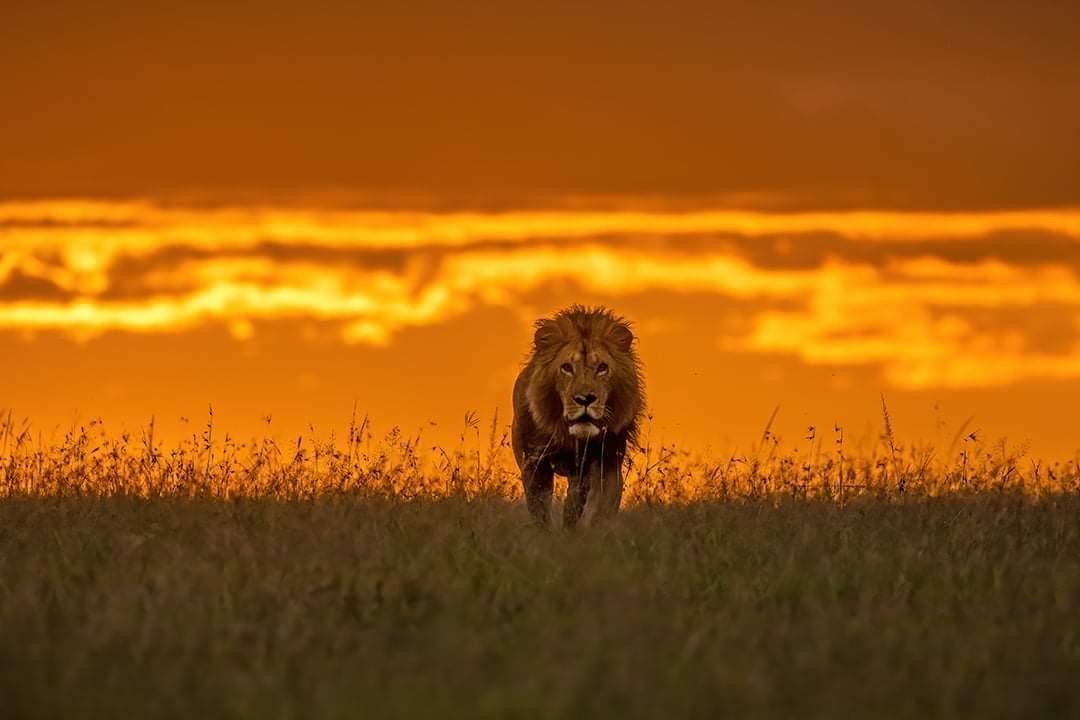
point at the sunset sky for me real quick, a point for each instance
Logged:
(283, 211)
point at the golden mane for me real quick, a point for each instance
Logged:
(579, 323)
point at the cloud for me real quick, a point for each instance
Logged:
(18, 284)
(934, 300)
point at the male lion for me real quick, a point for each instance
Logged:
(576, 405)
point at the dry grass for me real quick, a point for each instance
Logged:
(370, 578)
(88, 461)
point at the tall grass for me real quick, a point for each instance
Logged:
(380, 576)
(89, 461)
(452, 608)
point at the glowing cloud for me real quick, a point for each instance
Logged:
(139, 268)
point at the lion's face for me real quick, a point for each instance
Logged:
(584, 378)
(583, 382)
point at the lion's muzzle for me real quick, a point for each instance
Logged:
(586, 428)
(585, 416)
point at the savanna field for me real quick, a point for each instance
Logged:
(807, 273)
(374, 575)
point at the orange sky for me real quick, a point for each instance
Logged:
(288, 211)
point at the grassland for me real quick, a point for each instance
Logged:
(375, 580)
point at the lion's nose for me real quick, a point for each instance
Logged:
(585, 400)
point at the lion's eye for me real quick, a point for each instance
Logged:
(567, 368)
(602, 369)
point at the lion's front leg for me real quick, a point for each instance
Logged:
(538, 479)
(606, 493)
(577, 493)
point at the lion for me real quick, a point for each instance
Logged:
(577, 404)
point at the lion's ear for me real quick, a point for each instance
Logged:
(547, 335)
(622, 337)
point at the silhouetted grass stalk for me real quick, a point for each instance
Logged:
(88, 461)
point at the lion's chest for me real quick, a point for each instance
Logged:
(565, 464)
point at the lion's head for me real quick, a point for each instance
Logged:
(586, 378)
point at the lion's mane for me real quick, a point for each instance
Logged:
(626, 401)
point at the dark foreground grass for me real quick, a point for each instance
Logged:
(364, 608)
